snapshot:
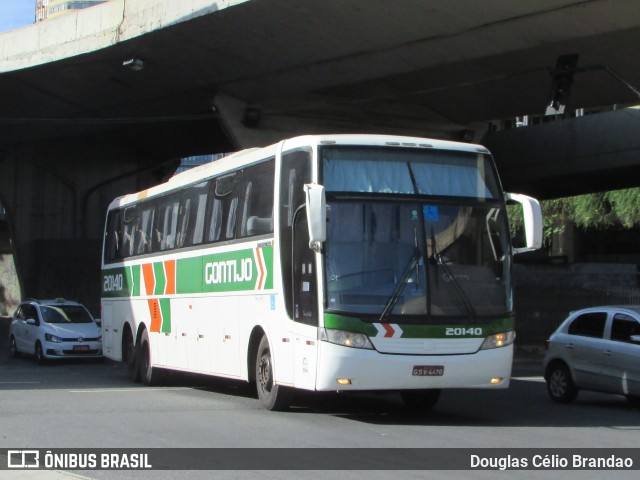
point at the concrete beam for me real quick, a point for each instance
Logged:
(569, 157)
(92, 29)
(56, 208)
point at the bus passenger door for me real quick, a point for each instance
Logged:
(305, 305)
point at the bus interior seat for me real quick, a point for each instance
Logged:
(259, 225)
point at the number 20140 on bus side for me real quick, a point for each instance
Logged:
(113, 283)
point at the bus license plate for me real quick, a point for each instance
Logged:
(428, 370)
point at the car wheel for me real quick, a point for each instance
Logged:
(560, 384)
(13, 348)
(39, 354)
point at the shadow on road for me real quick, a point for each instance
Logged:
(524, 404)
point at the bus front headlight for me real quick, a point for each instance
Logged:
(499, 340)
(346, 339)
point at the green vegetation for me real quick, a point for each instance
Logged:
(616, 208)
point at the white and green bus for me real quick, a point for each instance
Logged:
(327, 263)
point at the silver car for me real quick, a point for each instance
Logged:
(595, 349)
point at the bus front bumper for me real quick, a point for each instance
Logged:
(344, 368)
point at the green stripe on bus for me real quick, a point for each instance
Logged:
(121, 281)
(189, 275)
(267, 253)
(241, 270)
(230, 272)
(161, 279)
(165, 308)
(350, 324)
(134, 273)
(355, 324)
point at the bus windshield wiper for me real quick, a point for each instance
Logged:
(395, 296)
(406, 275)
(450, 279)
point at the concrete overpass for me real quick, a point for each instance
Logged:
(105, 100)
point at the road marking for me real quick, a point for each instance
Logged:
(529, 379)
(17, 383)
(140, 389)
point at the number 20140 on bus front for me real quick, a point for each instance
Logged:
(461, 331)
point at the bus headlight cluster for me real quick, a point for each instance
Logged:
(498, 340)
(346, 339)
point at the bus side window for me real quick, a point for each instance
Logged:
(184, 217)
(245, 208)
(168, 224)
(113, 236)
(143, 231)
(215, 224)
(231, 218)
(295, 172)
(130, 220)
(305, 296)
(224, 207)
(191, 215)
(196, 236)
(258, 199)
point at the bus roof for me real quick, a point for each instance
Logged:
(252, 155)
(381, 140)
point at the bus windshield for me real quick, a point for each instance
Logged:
(409, 171)
(415, 233)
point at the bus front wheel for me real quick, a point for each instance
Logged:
(271, 395)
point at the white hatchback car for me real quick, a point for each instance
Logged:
(51, 329)
(595, 349)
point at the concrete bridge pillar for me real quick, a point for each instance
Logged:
(55, 201)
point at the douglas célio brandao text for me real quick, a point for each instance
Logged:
(550, 461)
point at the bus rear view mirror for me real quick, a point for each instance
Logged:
(316, 215)
(532, 219)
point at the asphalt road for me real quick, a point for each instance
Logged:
(75, 404)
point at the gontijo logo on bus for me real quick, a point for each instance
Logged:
(241, 270)
(228, 271)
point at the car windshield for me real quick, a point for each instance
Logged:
(65, 314)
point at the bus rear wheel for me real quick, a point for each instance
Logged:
(149, 374)
(420, 399)
(271, 395)
(129, 355)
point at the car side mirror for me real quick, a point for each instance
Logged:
(635, 338)
(30, 321)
